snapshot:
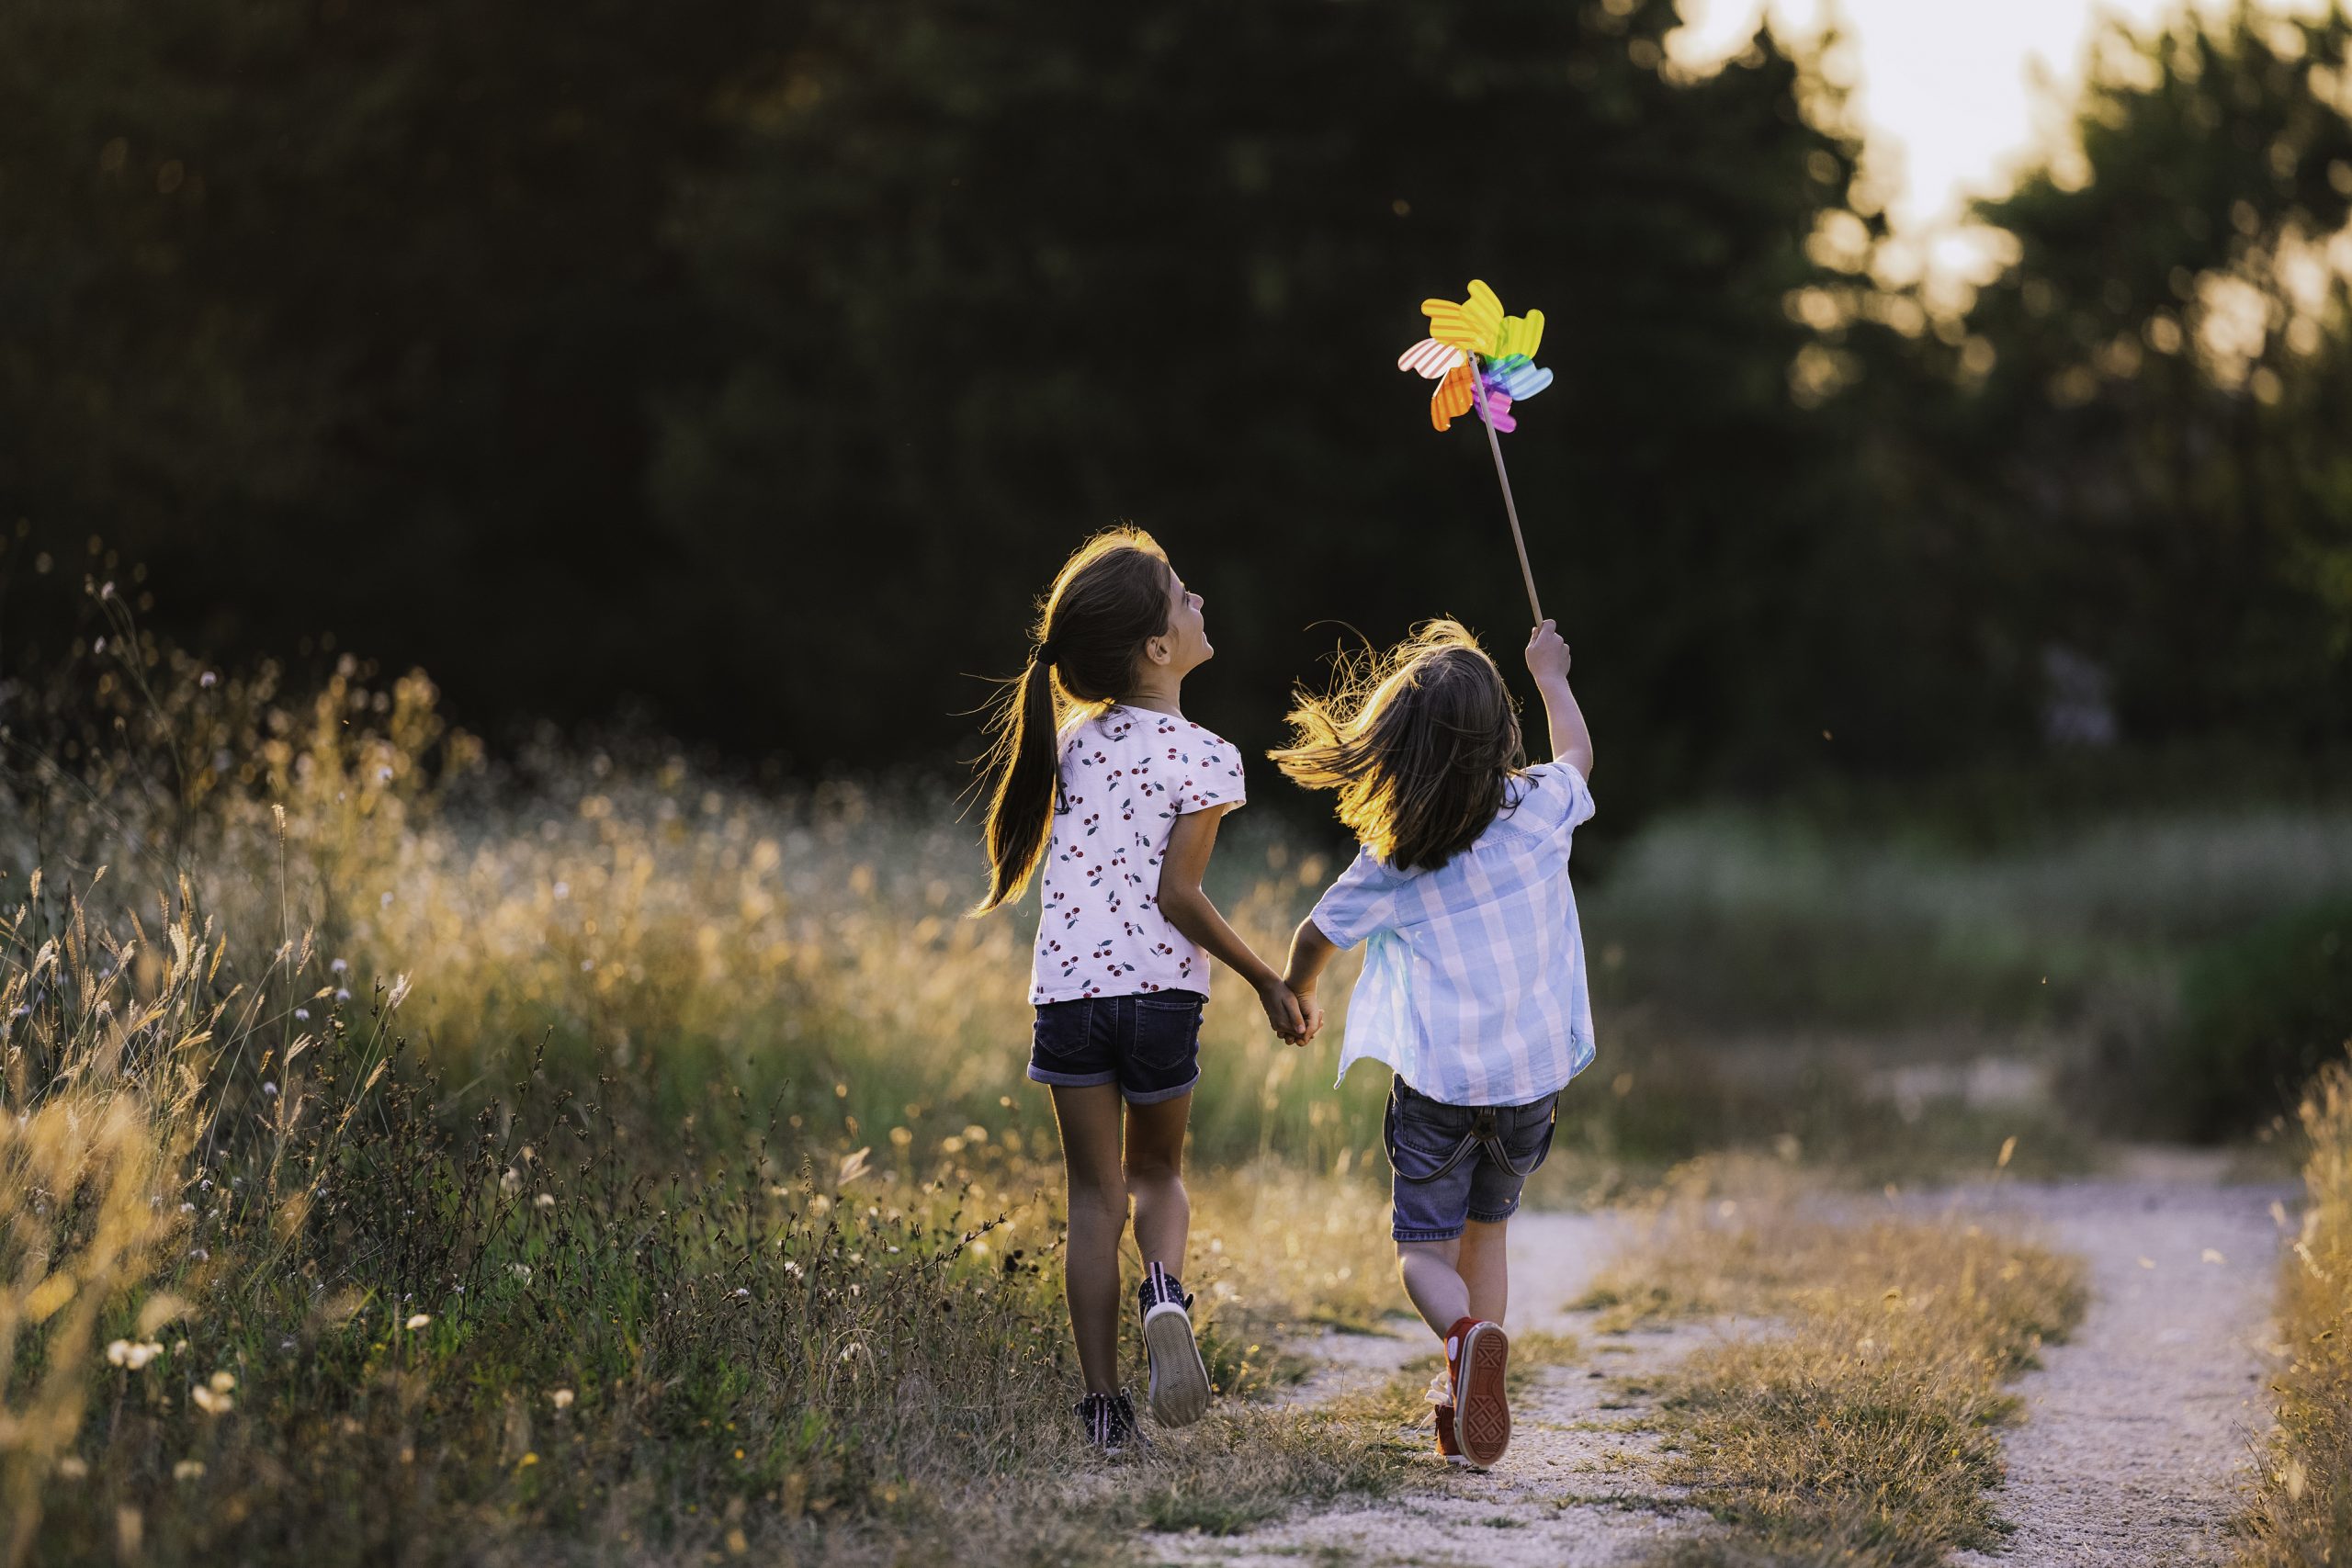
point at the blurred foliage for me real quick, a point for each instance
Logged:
(2259, 1014)
(608, 362)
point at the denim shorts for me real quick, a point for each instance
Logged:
(1458, 1163)
(1149, 1044)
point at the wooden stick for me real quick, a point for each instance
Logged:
(1493, 444)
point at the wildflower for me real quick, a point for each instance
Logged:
(189, 1470)
(383, 775)
(302, 1013)
(563, 890)
(188, 1208)
(342, 995)
(339, 966)
(521, 1271)
(385, 902)
(223, 1381)
(207, 680)
(211, 1404)
(544, 1200)
(131, 1354)
(561, 1398)
(512, 1183)
(271, 1089)
(792, 1268)
(72, 1467)
(530, 1460)
(741, 1294)
(586, 964)
(420, 1320)
(197, 1253)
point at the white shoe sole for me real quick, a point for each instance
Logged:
(1179, 1379)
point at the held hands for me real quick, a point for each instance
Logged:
(1548, 655)
(1295, 1018)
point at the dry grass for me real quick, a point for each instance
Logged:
(1862, 1425)
(595, 1163)
(2301, 1508)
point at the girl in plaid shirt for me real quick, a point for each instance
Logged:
(1472, 990)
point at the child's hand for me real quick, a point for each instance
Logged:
(1283, 1010)
(1547, 655)
(1305, 992)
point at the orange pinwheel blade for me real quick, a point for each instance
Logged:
(1472, 323)
(1452, 399)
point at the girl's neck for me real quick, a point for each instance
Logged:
(1158, 692)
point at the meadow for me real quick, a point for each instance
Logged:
(590, 1156)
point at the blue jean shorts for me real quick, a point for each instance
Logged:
(1458, 1163)
(1149, 1044)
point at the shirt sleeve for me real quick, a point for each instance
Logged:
(1576, 793)
(1212, 779)
(1361, 902)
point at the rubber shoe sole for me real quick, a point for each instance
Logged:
(1179, 1379)
(1481, 1409)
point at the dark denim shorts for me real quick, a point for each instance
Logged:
(1458, 1163)
(1149, 1044)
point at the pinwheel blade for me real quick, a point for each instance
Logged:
(1520, 335)
(1518, 376)
(1431, 359)
(1472, 323)
(1451, 400)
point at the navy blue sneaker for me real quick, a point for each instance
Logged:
(1109, 1420)
(1179, 1379)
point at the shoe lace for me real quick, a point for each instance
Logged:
(1440, 1389)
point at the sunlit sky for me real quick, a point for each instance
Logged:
(1947, 89)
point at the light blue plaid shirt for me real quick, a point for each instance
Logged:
(1473, 984)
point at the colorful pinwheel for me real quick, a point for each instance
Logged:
(1477, 355)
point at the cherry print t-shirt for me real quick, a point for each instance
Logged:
(1128, 774)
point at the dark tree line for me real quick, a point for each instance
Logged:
(748, 365)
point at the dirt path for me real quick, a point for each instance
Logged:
(2136, 1435)
(1575, 1490)
(2138, 1429)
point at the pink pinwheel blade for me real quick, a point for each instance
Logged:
(1431, 359)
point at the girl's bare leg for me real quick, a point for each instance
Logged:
(1098, 1215)
(1486, 1268)
(1449, 1281)
(1155, 1177)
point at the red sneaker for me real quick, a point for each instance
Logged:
(1441, 1399)
(1478, 1354)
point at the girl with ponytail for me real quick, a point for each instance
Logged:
(1099, 779)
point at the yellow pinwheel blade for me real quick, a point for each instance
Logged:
(1470, 323)
(1518, 334)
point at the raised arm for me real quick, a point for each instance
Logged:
(1188, 909)
(1547, 660)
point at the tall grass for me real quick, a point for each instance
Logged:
(2300, 1509)
(585, 1161)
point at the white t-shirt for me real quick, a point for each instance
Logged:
(1126, 775)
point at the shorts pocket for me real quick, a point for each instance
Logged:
(1530, 1143)
(1419, 1147)
(1058, 1040)
(1167, 1033)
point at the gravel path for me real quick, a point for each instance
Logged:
(1574, 1492)
(2138, 1430)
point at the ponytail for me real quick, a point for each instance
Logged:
(1027, 767)
(1111, 597)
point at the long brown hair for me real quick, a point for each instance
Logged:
(1420, 743)
(1108, 600)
